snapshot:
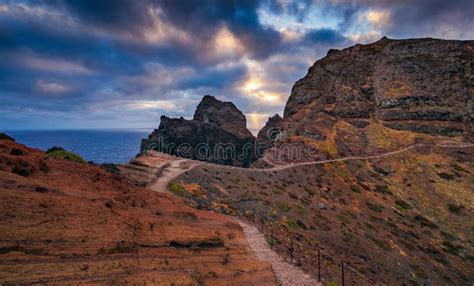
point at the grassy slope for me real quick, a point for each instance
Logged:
(403, 218)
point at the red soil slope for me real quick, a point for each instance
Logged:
(68, 223)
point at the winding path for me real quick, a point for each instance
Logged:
(174, 168)
(278, 167)
(170, 171)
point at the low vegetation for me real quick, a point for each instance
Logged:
(176, 189)
(58, 152)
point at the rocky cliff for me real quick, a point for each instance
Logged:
(216, 134)
(422, 85)
(271, 132)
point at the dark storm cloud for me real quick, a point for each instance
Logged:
(214, 78)
(114, 14)
(201, 18)
(205, 17)
(437, 18)
(67, 56)
(326, 36)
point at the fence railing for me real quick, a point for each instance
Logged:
(312, 258)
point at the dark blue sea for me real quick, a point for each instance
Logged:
(99, 146)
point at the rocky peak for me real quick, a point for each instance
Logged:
(217, 134)
(421, 85)
(223, 114)
(271, 131)
(212, 110)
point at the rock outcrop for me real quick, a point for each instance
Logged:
(421, 85)
(271, 132)
(72, 223)
(216, 134)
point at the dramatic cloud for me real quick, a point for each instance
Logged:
(123, 63)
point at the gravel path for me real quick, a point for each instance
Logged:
(286, 274)
(281, 167)
(170, 172)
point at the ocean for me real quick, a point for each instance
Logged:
(99, 146)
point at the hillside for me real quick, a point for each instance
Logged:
(397, 204)
(65, 222)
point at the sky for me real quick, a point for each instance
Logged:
(124, 63)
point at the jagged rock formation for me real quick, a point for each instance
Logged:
(270, 132)
(216, 134)
(422, 85)
(72, 223)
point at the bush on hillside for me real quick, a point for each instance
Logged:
(55, 148)
(58, 152)
(4, 136)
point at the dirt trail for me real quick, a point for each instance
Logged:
(170, 171)
(286, 273)
(279, 167)
(173, 169)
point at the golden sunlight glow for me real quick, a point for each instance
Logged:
(368, 37)
(290, 35)
(159, 31)
(255, 121)
(225, 43)
(252, 85)
(377, 17)
(269, 97)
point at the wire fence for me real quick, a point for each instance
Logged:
(312, 258)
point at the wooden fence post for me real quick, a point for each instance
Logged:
(291, 250)
(342, 273)
(319, 265)
(271, 239)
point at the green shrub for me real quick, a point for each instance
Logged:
(450, 248)
(176, 189)
(402, 205)
(276, 192)
(301, 224)
(309, 191)
(382, 189)
(355, 189)
(291, 223)
(301, 209)
(54, 149)
(456, 209)
(58, 152)
(446, 176)
(292, 195)
(425, 222)
(4, 136)
(458, 168)
(283, 206)
(374, 207)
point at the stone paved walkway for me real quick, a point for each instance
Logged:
(286, 274)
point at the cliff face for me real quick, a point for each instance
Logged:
(216, 134)
(422, 85)
(71, 223)
(271, 132)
